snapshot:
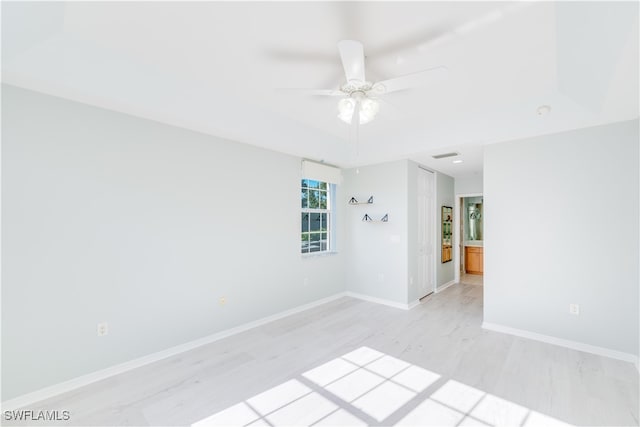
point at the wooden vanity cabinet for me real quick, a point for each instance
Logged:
(473, 259)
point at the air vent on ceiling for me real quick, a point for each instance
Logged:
(442, 156)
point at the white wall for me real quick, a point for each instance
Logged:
(468, 184)
(377, 252)
(382, 257)
(107, 217)
(561, 227)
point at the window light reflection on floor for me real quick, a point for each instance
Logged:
(366, 381)
(373, 382)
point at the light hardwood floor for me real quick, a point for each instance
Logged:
(351, 362)
(471, 279)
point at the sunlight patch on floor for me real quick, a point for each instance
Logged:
(279, 396)
(366, 381)
(457, 404)
(375, 383)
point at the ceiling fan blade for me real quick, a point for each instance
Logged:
(315, 92)
(352, 55)
(419, 79)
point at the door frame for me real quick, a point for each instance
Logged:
(457, 238)
(435, 239)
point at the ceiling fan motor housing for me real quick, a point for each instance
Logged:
(366, 88)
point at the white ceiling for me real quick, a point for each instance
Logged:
(218, 67)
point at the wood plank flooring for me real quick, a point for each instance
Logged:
(471, 279)
(351, 362)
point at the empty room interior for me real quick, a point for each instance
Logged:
(320, 213)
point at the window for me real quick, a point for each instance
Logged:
(316, 216)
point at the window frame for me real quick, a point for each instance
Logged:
(329, 213)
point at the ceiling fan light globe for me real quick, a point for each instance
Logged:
(345, 117)
(346, 106)
(365, 118)
(369, 107)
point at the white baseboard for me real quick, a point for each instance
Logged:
(413, 304)
(574, 345)
(382, 301)
(56, 389)
(445, 286)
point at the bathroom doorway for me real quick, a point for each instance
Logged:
(469, 244)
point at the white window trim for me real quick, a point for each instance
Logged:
(330, 211)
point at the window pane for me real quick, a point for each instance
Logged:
(314, 195)
(323, 200)
(314, 244)
(305, 242)
(313, 184)
(304, 183)
(305, 197)
(324, 243)
(323, 221)
(315, 221)
(305, 222)
(323, 185)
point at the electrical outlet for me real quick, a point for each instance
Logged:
(411, 280)
(380, 277)
(223, 300)
(574, 309)
(103, 329)
(305, 282)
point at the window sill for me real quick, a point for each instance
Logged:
(318, 254)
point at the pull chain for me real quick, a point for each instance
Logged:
(357, 146)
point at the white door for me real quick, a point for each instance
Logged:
(426, 238)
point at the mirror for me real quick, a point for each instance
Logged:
(475, 221)
(447, 230)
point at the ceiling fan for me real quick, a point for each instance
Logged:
(360, 98)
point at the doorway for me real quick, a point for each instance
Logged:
(469, 239)
(426, 233)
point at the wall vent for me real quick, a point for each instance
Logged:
(445, 155)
